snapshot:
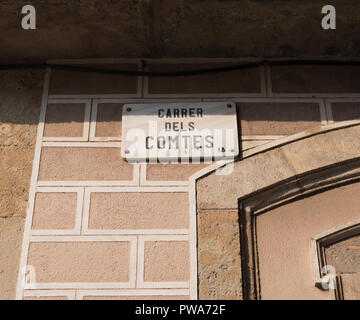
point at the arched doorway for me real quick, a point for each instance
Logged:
(276, 212)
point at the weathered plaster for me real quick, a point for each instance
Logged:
(20, 96)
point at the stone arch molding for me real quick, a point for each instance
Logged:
(272, 175)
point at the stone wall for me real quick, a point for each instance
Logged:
(79, 162)
(20, 98)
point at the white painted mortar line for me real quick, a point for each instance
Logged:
(268, 81)
(64, 183)
(84, 144)
(329, 111)
(82, 285)
(193, 240)
(34, 176)
(323, 115)
(70, 294)
(263, 86)
(93, 119)
(94, 96)
(133, 292)
(138, 189)
(135, 231)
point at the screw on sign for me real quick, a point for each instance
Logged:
(164, 131)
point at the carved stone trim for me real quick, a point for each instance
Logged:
(311, 183)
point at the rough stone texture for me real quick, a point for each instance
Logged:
(20, 98)
(273, 166)
(183, 28)
(323, 150)
(219, 262)
(11, 232)
(248, 176)
(344, 255)
(15, 172)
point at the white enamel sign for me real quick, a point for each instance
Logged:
(173, 131)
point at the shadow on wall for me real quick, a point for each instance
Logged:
(183, 28)
(21, 93)
(20, 96)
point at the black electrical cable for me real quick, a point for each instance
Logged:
(156, 73)
(185, 72)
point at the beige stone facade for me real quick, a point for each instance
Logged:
(98, 227)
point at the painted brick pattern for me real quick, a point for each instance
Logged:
(129, 230)
(95, 228)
